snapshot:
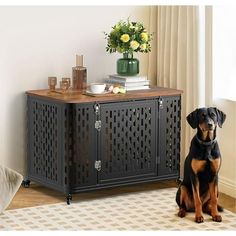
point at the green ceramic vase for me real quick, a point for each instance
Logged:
(127, 65)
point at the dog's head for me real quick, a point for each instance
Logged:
(206, 119)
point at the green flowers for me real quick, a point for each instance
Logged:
(128, 37)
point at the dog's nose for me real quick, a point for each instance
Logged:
(210, 125)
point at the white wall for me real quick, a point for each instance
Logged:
(227, 142)
(37, 42)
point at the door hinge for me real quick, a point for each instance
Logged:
(98, 125)
(98, 165)
(161, 103)
(158, 160)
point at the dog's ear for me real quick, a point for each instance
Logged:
(192, 119)
(220, 117)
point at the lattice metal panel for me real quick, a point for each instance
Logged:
(127, 139)
(169, 141)
(44, 141)
(82, 171)
(67, 149)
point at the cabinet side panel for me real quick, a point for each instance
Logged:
(169, 136)
(44, 142)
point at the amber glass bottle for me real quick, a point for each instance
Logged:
(79, 74)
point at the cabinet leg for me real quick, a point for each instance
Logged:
(25, 183)
(68, 199)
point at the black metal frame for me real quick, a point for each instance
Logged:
(81, 147)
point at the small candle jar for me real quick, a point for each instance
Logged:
(68, 80)
(52, 82)
(64, 85)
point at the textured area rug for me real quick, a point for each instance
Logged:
(149, 210)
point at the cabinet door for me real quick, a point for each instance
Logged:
(127, 147)
(169, 136)
(81, 165)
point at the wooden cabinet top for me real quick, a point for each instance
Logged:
(77, 96)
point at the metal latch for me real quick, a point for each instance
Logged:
(97, 108)
(161, 103)
(98, 165)
(98, 125)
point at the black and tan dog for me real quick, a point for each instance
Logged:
(199, 189)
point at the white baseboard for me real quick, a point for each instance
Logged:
(227, 186)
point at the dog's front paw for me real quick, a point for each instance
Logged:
(199, 219)
(217, 218)
(181, 213)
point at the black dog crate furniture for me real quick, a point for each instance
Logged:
(78, 143)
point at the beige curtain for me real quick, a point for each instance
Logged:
(173, 61)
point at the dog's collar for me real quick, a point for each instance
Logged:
(206, 143)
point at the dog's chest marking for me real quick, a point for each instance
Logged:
(215, 164)
(198, 165)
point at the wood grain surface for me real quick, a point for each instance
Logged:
(79, 96)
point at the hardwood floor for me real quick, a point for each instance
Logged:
(37, 195)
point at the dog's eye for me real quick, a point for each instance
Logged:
(213, 114)
(203, 115)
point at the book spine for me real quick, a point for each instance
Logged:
(128, 84)
(136, 88)
(128, 78)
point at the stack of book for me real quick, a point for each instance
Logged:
(129, 83)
